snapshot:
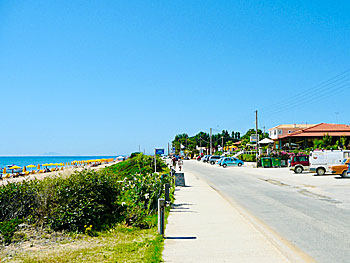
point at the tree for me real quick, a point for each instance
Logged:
(237, 135)
(327, 140)
(342, 142)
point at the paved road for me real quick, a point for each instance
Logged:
(304, 214)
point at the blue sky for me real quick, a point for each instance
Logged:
(102, 77)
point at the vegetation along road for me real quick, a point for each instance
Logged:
(311, 212)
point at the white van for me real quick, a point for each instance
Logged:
(321, 160)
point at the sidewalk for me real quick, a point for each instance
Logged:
(204, 227)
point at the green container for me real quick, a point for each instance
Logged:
(266, 162)
(276, 162)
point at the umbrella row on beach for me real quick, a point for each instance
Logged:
(73, 163)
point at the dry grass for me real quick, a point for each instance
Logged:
(121, 244)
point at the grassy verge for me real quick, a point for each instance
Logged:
(120, 244)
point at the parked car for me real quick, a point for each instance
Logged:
(231, 161)
(341, 169)
(213, 159)
(205, 158)
(220, 161)
(299, 163)
(320, 161)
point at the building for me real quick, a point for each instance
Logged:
(303, 138)
(284, 129)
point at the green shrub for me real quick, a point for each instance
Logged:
(18, 200)
(247, 157)
(85, 198)
(7, 230)
(141, 187)
(127, 191)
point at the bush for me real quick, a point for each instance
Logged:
(7, 230)
(247, 157)
(18, 200)
(85, 198)
(127, 191)
(141, 187)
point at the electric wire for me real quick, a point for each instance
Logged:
(321, 86)
(329, 89)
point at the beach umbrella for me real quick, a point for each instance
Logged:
(4, 172)
(31, 166)
(14, 167)
(38, 167)
(61, 164)
(24, 169)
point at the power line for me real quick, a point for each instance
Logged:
(329, 89)
(307, 100)
(317, 88)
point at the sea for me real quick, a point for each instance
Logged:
(35, 160)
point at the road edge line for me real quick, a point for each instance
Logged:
(290, 251)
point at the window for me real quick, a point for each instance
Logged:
(275, 132)
(302, 159)
(279, 132)
(290, 131)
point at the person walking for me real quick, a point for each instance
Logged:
(180, 163)
(174, 162)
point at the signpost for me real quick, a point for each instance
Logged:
(253, 138)
(157, 151)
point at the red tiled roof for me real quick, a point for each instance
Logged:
(321, 129)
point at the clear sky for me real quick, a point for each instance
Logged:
(102, 77)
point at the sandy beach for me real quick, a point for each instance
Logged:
(65, 172)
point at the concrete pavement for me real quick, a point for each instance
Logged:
(204, 227)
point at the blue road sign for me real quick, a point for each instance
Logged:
(159, 151)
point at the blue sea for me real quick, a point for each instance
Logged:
(35, 160)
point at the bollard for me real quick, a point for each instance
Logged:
(167, 192)
(161, 206)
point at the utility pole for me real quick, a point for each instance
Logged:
(222, 143)
(168, 149)
(200, 146)
(211, 149)
(257, 139)
(155, 160)
(264, 131)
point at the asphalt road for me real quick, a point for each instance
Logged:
(307, 215)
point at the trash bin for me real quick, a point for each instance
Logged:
(276, 162)
(266, 162)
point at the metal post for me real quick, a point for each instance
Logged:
(257, 139)
(155, 161)
(161, 205)
(211, 149)
(167, 192)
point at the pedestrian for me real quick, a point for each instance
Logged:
(174, 162)
(180, 163)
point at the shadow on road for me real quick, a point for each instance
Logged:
(180, 237)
